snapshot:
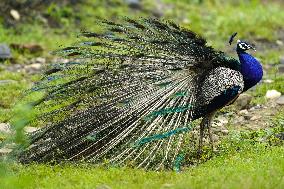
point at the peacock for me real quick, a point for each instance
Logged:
(129, 93)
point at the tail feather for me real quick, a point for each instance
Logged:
(129, 96)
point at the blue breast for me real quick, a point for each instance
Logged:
(251, 70)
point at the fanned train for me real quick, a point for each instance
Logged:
(130, 93)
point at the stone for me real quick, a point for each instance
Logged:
(280, 100)
(7, 81)
(225, 131)
(157, 13)
(41, 19)
(134, 4)
(281, 60)
(5, 52)
(103, 186)
(279, 43)
(61, 60)
(33, 68)
(32, 48)
(215, 138)
(39, 60)
(272, 94)
(240, 119)
(256, 107)
(15, 14)
(280, 136)
(281, 68)
(167, 185)
(267, 67)
(247, 116)
(268, 81)
(5, 151)
(243, 112)
(255, 117)
(5, 128)
(243, 101)
(221, 120)
(15, 67)
(30, 129)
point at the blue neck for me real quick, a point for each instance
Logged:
(251, 70)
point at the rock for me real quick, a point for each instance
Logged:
(103, 186)
(281, 68)
(229, 114)
(215, 138)
(272, 94)
(157, 13)
(167, 185)
(33, 68)
(41, 19)
(15, 67)
(186, 21)
(279, 43)
(5, 151)
(280, 136)
(61, 60)
(5, 51)
(267, 67)
(280, 100)
(5, 128)
(221, 120)
(247, 117)
(255, 117)
(7, 81)
(39, 60)
(257, 107)
(243, 101)
(268, 81)
(32, 48)
(134, 4)
(30, 129)
(225, 131)
(243, 112)
(15, 14)
(238, 120)
(282, 60)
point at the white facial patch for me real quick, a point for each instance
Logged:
(243, 46)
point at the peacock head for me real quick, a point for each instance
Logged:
(242, 46)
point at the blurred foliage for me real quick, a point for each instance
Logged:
(51, 22)
(28, 9)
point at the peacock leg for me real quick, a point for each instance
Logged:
(209, 124)
(206, 123)
(201, 135)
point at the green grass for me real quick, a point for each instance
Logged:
(261, 89)
(243, 160)
(10, 92)
(258, 167)
(215, 20)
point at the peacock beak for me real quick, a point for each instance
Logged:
(253, 48)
